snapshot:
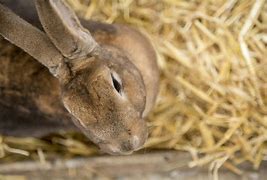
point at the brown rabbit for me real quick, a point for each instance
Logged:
(102, 77)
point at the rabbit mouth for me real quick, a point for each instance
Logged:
(125, 147)
(113, 150)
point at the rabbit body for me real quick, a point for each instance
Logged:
(30, 97)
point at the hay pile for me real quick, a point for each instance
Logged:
(213, 95)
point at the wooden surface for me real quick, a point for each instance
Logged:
(160, 165)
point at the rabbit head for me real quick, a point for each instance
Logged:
(106, 100)
(101, 89)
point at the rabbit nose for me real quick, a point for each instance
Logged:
(130, 145)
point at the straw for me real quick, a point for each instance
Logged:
(213, 91)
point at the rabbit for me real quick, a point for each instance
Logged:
(100, 79)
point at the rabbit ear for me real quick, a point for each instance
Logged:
(64, 29)
(30, 39)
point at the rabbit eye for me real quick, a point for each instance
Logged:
(116, 84)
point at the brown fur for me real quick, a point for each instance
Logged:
(111, 116)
